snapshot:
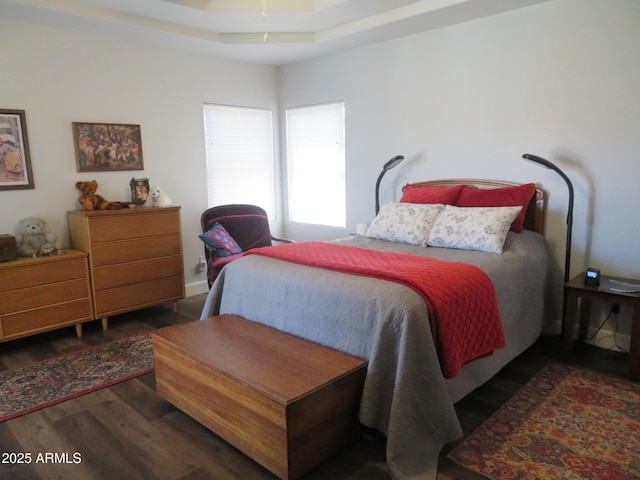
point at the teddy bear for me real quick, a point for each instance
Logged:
(90, 200)
(33, 239)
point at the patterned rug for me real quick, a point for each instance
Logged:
(566, 423)
(45, 383)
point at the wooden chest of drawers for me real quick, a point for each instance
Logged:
(44, 293)
(135, 257)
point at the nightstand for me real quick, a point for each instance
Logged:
(578, 297)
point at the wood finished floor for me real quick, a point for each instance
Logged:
(128, 432)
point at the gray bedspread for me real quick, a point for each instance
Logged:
(405, 394)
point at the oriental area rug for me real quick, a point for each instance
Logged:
(566, 423)
(51, 381)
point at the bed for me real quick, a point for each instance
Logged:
(406, 395)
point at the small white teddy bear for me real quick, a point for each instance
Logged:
(33, 239)
(159, 198)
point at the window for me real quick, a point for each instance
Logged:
(316, 164)
(240, 163)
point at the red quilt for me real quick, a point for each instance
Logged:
(462, 301)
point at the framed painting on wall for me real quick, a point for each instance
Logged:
(15, 160)
(104, 147)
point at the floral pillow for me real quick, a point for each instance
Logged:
(404, 223)
(473, 228)
(500, 197)
(218, 239)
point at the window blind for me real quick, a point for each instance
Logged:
(316, 164)
(240, 158)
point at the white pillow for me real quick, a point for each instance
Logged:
(404, 223)
(473, 228)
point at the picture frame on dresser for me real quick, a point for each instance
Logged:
(15, 158)
(139, 190)
(107, 147)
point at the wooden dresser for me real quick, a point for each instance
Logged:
(135, 257)
(44, 293)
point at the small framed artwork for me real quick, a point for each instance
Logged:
(15, 160)
(139, 190)
(105, 147)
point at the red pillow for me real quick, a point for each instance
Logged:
(430, 194)
(500, 197)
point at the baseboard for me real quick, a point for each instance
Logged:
(605, 339)
(196, 288)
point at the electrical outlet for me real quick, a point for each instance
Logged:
(615, 308)
(202, 260)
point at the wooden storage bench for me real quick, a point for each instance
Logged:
(285, 402)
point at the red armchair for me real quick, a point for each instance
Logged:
(248, 225)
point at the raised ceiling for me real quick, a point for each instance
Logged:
(274, 32)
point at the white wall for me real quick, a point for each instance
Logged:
(559, 80)
(59, 77)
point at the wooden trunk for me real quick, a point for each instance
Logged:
(285, 402)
